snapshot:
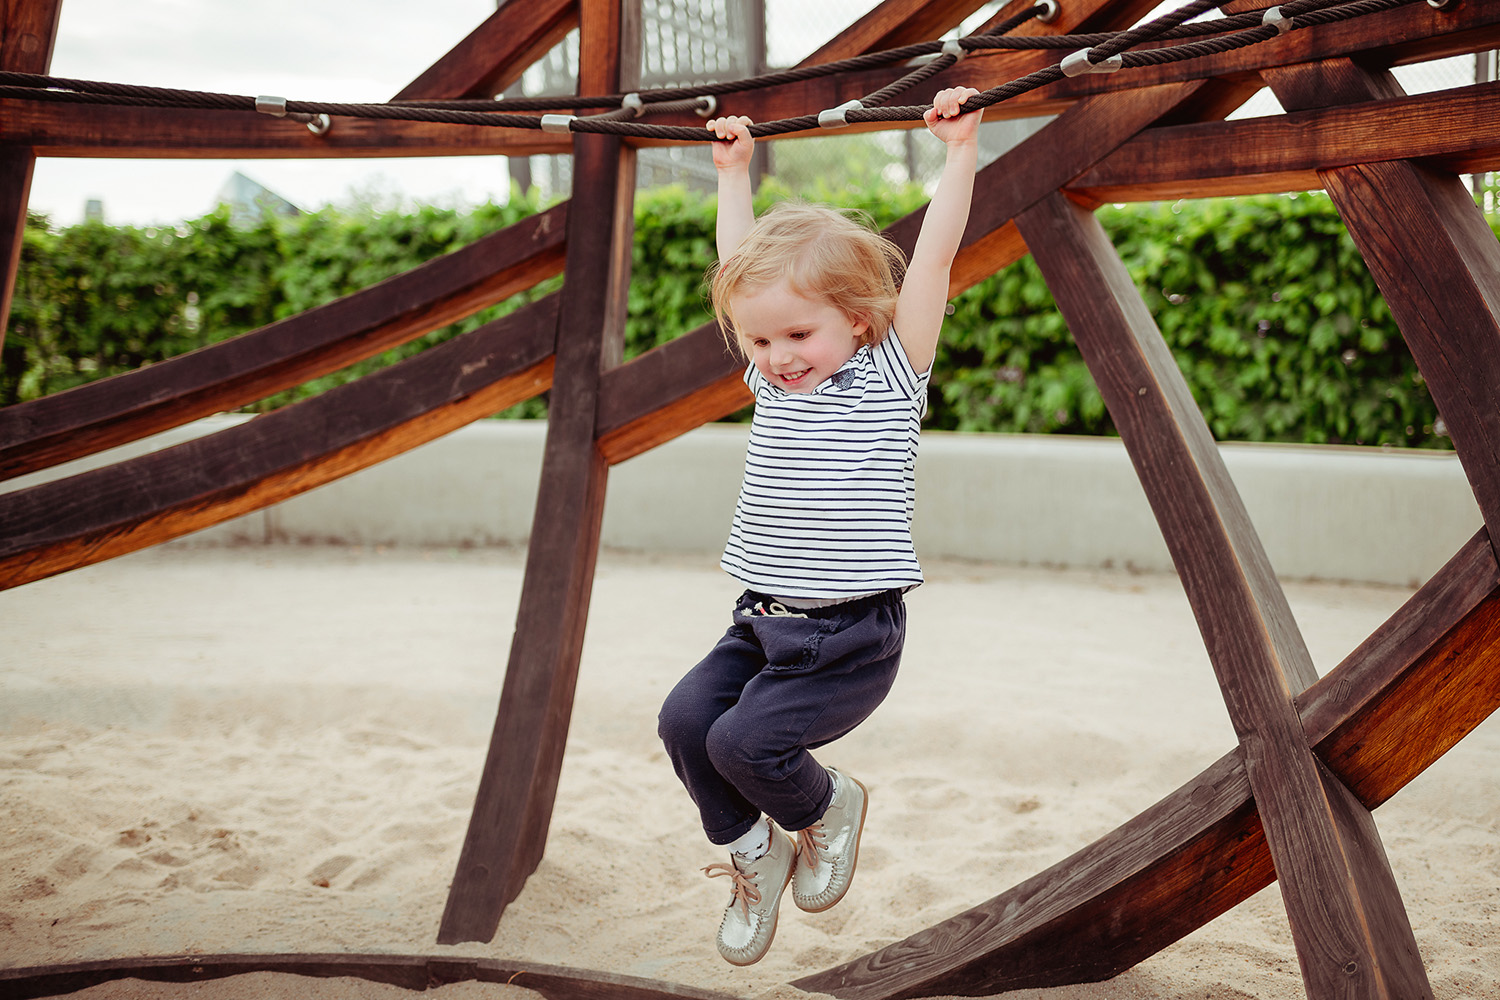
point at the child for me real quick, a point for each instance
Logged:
(821, 537)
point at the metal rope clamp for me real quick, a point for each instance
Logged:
(276, 108)
(1077, 63)
(1049, 11)
(952, 48)
(835, 117)
(561, 124)
(707, 105)
(1273, 15)
(632, 102)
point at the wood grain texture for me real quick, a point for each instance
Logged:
(1437, 263)
(92, 130)
(231, 373)
(1404, 35)
(495, 54)
(1202, 849)
(1417, 685)
(1352, 934)
(1457, 129)
(120, 508)
(411, 972)
(28, 29)
(893, 23)
(513, 806)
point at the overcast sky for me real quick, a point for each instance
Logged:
(316, 50)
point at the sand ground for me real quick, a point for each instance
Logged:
(276, 749)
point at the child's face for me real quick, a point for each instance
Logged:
(796, 342)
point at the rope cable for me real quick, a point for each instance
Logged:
(1236, 31)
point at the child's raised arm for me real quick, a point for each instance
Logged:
(924, 292)
(732, 160)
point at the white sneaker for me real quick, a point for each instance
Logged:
(749, 923)
(828, 850)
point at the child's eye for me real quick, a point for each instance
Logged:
(760, 342)
(799, 335)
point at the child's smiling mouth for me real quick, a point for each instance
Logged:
(793, 378)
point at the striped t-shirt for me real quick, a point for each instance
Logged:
(830, 482)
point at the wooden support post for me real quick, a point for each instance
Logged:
(27, 30)
(1437, 263)
(1352, 934)
(513, 807)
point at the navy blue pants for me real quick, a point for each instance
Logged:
(780, 682)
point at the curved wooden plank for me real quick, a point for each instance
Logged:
(107, 512)
(1351, 930)
(229, 374)
(412, 972)
(1202, 850)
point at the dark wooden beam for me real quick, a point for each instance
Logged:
(1352, 934)
(1456, 129)
(513, 806)
(97, 130)
(28, 29)
(410, 972)
(891, 24)
(1437, 263)
(1394, 37)
(107, 512)
(1202, 849)
(1409, 34)
(1419, 684)
(495, 54)
(231, 373)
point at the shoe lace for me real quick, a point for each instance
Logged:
(810, 841)
(744, 890)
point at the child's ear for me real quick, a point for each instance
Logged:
(861, 329)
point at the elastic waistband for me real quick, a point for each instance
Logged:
(883, 598)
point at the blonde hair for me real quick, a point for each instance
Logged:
(821, 253)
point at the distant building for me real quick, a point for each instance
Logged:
(249, 202)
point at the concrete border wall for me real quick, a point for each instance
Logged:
(1360, 514)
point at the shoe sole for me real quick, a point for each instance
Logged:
(775, 923)
(853, 855)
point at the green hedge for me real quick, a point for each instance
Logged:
(1264, 301)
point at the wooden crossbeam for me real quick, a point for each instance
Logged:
(1418, 685)
(1458, 130)
(231, 373)
(28, 29)
(1352, 934)
(1405, 34)
(495, 54)
(96, 130)
(97, 515)
(518, 786)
